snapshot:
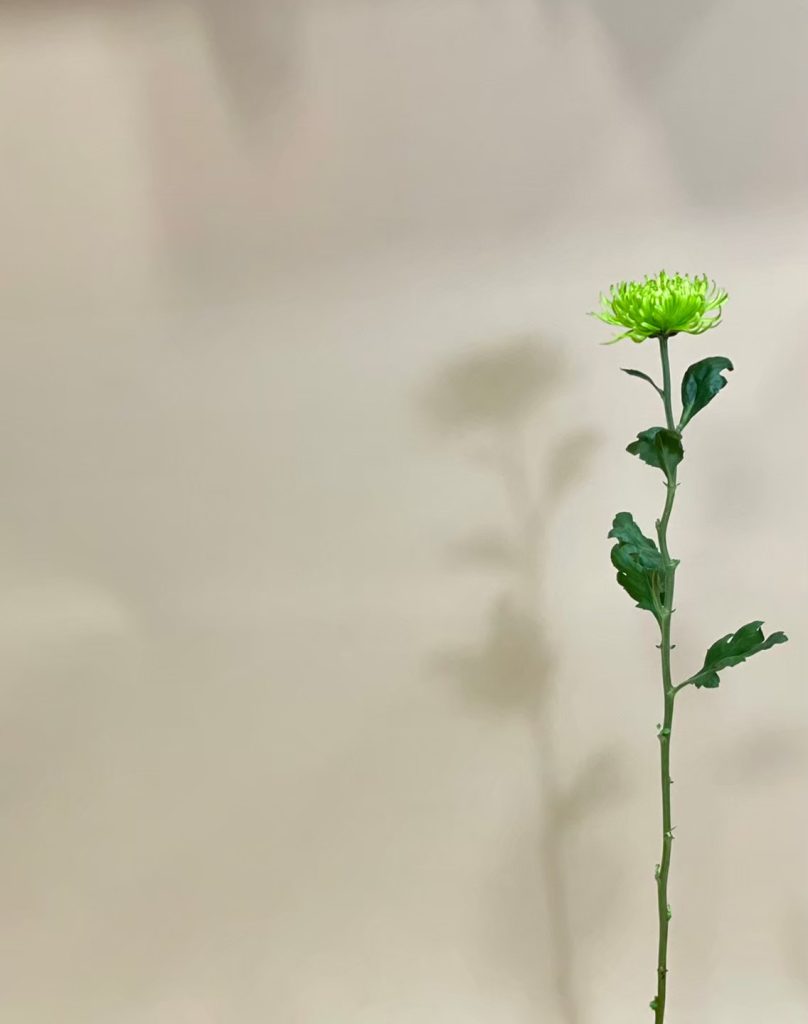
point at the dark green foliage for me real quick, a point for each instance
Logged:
(639, 564)
(701, 383)
(659, 447)
(731, 650)
(644, 376)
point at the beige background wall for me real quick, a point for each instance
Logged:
(320, 703)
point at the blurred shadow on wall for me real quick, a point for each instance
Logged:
(696, 55)
(795, 946)
(631, 25)
(768, 756)
(499, 397)
(226, 145)
(774, 757)
(254, 44)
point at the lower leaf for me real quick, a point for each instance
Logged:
(731, 650)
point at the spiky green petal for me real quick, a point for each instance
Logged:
(662, 305)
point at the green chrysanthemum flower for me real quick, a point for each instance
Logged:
(662, 306)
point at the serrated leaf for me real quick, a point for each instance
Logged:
(644, 376)
(639, 564)
(701, 383)
(659, 447)
(731, 650)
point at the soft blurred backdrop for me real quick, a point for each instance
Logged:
(320, 703)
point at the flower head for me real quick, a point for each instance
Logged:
(662, 305)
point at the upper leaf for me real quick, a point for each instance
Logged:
(644, 376)
(639, 564)
(659, 447)
(701, 383)
(732, 649)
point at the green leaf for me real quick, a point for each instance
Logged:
(701, 383)
(644, 376)
(731, 650)
(639, 564)
(659, 447)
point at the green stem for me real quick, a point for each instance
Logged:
(669, 692)
(666, 381)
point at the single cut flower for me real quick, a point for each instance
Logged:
(662, 306)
